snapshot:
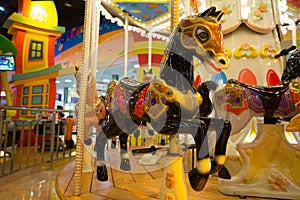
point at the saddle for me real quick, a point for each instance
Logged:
(266, 91)
(269, 95)
(130, 85)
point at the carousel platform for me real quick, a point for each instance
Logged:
(142, 182)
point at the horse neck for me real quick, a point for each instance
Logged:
(177, 63)
(284, 77)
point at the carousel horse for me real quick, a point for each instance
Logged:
(169, 102)
(239, 102)
(180, 59)
(95, 112)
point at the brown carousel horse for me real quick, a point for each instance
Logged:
(170, 103)
(240, 102)
(95, 112)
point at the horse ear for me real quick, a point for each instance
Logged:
(145, 72)
(150, 71)
(76, 68)
(209, 12)
(218, 15)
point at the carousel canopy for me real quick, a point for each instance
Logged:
(143, 10)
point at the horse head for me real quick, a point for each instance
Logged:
(147, 75)
(92, 97)
(110, 94)
(197, 36)
(205, 30)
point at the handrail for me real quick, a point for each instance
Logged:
(23, 146)
(35, 109)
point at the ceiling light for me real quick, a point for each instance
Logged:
(2, 94)
(106, 80)
(68, 81)
(57, 81)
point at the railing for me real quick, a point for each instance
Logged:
(29, 142)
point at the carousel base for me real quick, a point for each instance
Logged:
(143, 182)
(256, 191)
(270, 167)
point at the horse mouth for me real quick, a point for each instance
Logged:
(214, 66)
(211, 64)
(216, 62)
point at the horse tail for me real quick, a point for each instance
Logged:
(204, 89)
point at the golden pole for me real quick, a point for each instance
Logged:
(174, 14)
(173, 185)
(83, 93)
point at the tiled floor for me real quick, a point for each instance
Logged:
(33, 183)
(144, 182)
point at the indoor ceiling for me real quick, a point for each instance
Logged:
(71, 14)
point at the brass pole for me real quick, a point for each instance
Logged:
(174, 14)
(84, 69)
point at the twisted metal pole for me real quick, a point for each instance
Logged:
(174, 14)
(126, 44)
(84, 69)
(150, 50)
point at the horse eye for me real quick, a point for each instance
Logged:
(202, 34)
(169, 93)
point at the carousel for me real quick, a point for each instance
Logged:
(231, 124)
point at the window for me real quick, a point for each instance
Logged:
(37, 89)
(35, 50)
(25, 90)
(37, 100)
(35, 96)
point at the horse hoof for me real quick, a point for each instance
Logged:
(102, 173)
(125, 164)
(197, 180)
(224, 173)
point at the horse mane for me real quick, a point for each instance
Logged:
(211, 15)
(292, 69)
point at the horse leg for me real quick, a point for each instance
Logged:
(223, 130)
(125, 162)
(199, 175)
(101, 141)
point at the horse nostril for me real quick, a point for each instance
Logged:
(222, 61)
